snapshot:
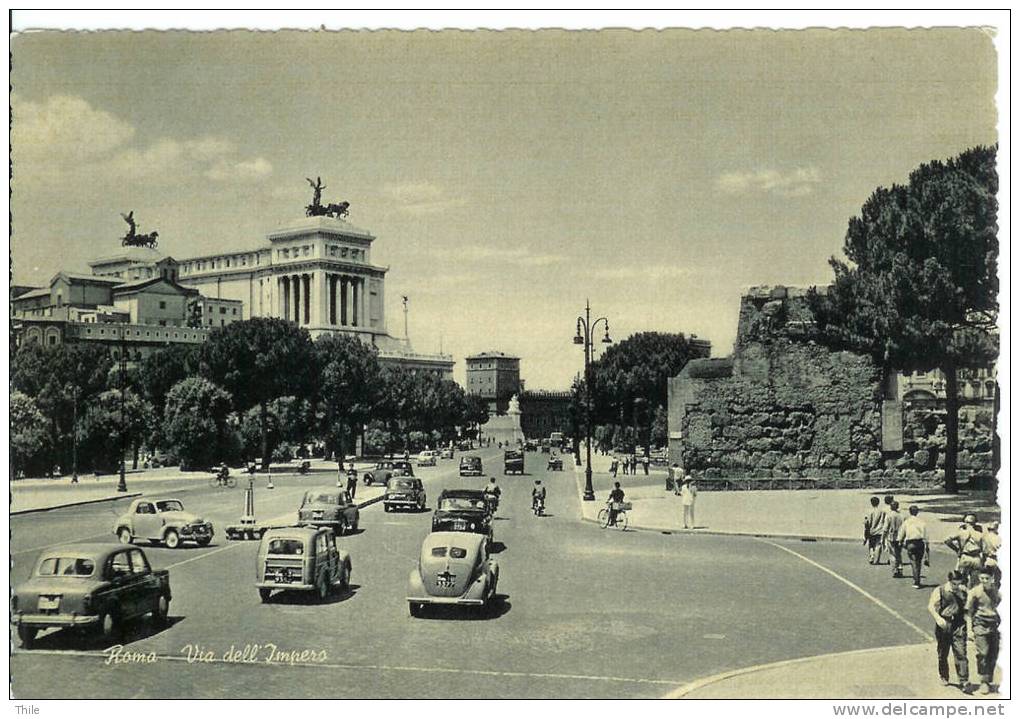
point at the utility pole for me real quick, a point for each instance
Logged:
(122, 484)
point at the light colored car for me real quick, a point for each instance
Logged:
(331, 508)
(446, 453)
(89, 586)
(162, 520)
(426, 459)
(453, 568)
(302, 559)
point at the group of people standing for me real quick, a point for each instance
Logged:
(629, 463)
(969, 596)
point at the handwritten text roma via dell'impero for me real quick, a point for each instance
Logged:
(267, 653)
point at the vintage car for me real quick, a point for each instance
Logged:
(302, 559)
(89, 586)
(331, 508)
(545, 446)
(446, 453)
(405, 492)
(555, 463)
(530, 445)
(162, 520)
(454, 568)
(470, 465)
(465, 445)
(463, 510)
(513, 462)
(426, 459)
(388, 468)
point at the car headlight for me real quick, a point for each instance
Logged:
(472, 525)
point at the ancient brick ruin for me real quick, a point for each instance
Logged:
(785, 411)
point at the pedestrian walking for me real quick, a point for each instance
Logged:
(874, 530)
(991, 543)
(645, 461)
(352, 479)
(688, 495)
(983, 608)
(625, 461)
(947, 608)
(671, 475)
(913, 535)
(967, 545)
(893, 522)
(614, 466)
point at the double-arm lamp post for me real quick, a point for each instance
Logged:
(585, 330)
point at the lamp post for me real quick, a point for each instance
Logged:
(122, 484)
(588, 327)
(74, 437)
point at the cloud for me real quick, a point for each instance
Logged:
(419, 198)
(65, 127)
(65, 138)
(795, 183)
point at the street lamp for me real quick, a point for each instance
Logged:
(122, 484)
(585, 330)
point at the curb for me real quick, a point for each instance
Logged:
(126, 495)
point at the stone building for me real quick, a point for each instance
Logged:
(495, 377)
(544, 412)
(787, 409)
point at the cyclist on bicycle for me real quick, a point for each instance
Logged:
(538, 495)
(615, 499)
(222, 472)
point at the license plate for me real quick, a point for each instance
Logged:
(459, 526)
(49, 602)
(445, 581)
(316, 515)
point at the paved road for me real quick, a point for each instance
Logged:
(587, 613)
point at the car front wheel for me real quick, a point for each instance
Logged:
(27, 636)
(124, 535)
(172, 539)
(161, 611)
(322, 587)
(109, 627)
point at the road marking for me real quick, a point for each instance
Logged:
(722, 676)
(203, 556)
(367, 667)
(853, 586)
(68, 541)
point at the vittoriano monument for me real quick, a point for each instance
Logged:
(132, 238)
(317, 209)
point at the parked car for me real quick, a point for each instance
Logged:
(162, 520)
(470, 465)
(89, 586)
(303, 559)
(555, 463)
(463, 510)
(406, 492)
(453, 568)
(426, 459)
(513, 462)
(388, 468)
(331, 508)
(446, 453)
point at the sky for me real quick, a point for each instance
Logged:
(508, 176)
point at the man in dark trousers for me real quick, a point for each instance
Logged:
(615, 499)
(874, 529)
(946, 607)
(913, 536)
(352, 479)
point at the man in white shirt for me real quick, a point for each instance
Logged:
(913, 535)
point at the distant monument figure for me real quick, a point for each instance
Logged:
(317, 209)
(506, 428)
(132, 238)
(514, 406)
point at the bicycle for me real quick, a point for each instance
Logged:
(621, 517)
(218, 480)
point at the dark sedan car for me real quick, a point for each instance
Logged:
(463, 510)
(471, 465)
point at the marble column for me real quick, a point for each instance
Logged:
(349, 306)
(307, 291)
(285, 298)
(321, 298)
(363, 305)
(356, 294)
(331, 289)
(295, 283)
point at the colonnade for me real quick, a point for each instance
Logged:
(323, 298)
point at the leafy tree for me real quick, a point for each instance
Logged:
(195, 422)
(110, 424)
(257, 361)
(194, 313)
(30, 437)
(159, 372)
(920, 290)
(660, 427)
(476, 412)
(59, 379)
(349, 388)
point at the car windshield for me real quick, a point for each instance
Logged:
(461, 503)
(384, 465)
(314, 497)
(169, 505)
(401, 484)
(471, 460)
(287, 546)
(66, 567)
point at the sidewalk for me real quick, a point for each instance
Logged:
(831, 514)
(34, 495)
